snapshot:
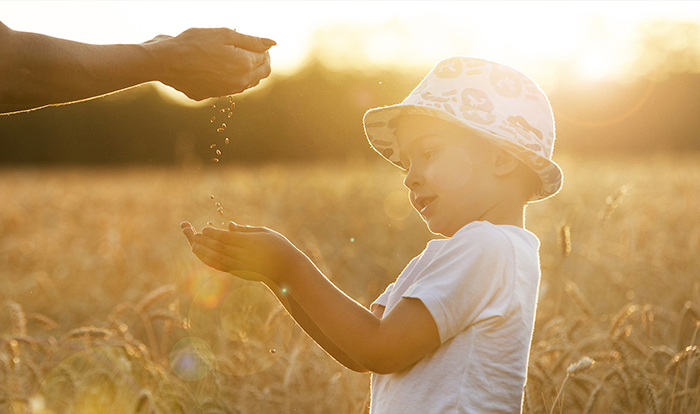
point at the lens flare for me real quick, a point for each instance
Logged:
(241, 324)
(191, 359)
(210, 291)
(396, 205)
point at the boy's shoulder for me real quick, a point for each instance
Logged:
(487, 237)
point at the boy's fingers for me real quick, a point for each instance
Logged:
(188, 231)
(222, 261)
(222, 236)
(216, 245)
(245, 229)
(211, 263)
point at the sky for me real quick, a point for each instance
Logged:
(600, 38)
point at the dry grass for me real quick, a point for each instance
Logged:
(104, 309)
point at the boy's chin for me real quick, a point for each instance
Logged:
(438, 230)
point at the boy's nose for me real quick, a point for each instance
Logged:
(412, 179)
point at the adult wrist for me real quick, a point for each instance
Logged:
(153, 58)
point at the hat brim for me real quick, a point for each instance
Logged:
(380, 128)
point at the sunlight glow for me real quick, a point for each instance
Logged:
(593, 66)
(534, 36)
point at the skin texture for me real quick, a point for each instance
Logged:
(357, 338)
(455, 177)
(466, 180)
(38, 70)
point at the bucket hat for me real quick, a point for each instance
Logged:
(497, 102)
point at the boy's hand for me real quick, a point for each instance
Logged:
(252, 253)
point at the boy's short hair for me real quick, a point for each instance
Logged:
(498, 103)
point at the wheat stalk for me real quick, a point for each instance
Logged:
(18, 318)
(584, 364)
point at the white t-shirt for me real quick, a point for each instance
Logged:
(481, 288)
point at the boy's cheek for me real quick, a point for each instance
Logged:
(451, 171)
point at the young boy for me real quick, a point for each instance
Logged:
(453, 333)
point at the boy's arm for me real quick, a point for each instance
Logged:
(38, 70)
(386, 345)
(306, 323)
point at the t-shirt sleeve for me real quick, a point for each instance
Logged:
(466, 281)
(382, 299)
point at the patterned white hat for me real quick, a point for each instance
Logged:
(495, 101)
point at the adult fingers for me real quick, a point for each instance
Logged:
(260, 72)
(252, 43)
(245, 60)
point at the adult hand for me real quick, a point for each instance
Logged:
(38, 70)
(204, 63)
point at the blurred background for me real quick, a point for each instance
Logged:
(103, 309)
(622, 76)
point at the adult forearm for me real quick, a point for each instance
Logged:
(308, 325)
(38, 70)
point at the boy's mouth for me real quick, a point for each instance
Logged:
(423, 202)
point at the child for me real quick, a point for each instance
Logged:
(453, 333)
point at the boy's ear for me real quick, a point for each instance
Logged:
(504, 162)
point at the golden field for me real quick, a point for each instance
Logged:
(105, 310)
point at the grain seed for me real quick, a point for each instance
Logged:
(215, 160)
(220, 130)
(211, 196)
(226, 141)
(212, 106)
(229, 114)
(213, 118)
(218, 152)
(212, 145)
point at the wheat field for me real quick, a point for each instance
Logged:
(105, 309)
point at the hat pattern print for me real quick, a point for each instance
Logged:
(495, 101)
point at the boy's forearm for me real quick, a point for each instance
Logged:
(347, 324)
(38, 70)
(308, 325)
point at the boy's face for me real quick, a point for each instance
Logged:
(448, 176)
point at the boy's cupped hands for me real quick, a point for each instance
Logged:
(249, 252)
